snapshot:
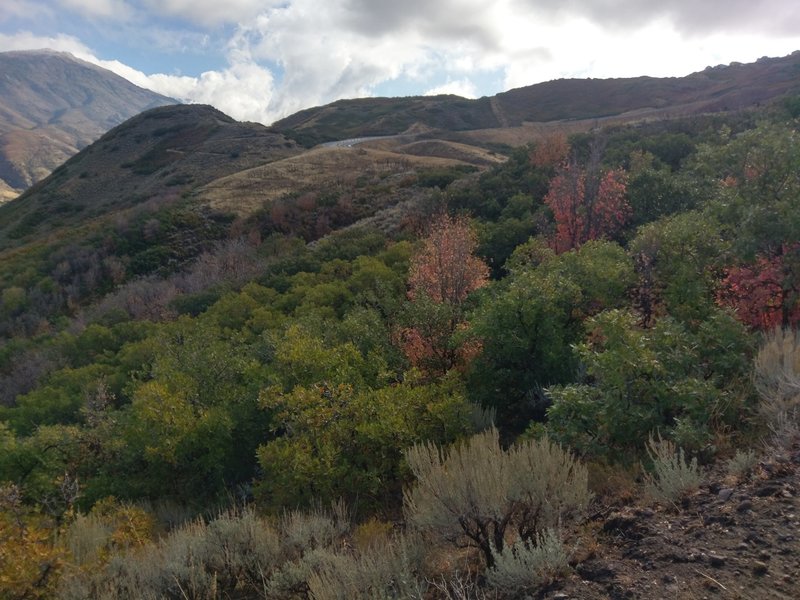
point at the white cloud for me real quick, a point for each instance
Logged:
(463, 87)
(118, 9)
(25, 40)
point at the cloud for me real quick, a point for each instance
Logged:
(118, 9)
(463, 87)
(282, 56)
(25, 40)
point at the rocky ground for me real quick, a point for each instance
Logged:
(735, 538)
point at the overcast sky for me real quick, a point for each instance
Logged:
(260, 60)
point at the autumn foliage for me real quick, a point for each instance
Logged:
(446, 269)
(441, 277)
(586, 206)
(763, 294)
(551, 151)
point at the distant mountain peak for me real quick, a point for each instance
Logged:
(52, 104)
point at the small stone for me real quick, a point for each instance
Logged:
(744, 506)
(760, 568)
(669, 579)
(725, 494)
(560, 596)
(764, 555)
(716, 560)
(743, 546)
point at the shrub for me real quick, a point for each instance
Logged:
(742, 463)
(672, 476)
(236, 551)
(480, 491)
(526, 564)
(777, 380)
(391, 571)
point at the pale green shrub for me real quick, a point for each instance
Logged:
(480, 491)
(777, 379)
(236, 551)
(672, 476)
(390, 572)
(529, 565)
(742, 463)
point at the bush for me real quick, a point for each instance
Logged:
(777, 380)
(526, 564)
(742, 463)
(480, 491)
(391, 571)
(673, 476)
(236, 551)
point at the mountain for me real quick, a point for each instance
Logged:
(52, 105)
(155, 156)
(714, 89)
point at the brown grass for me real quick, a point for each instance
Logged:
(246, 191)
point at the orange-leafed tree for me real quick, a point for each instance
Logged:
(551, 151)
(587, 203)
(442, 275)
(446, 269)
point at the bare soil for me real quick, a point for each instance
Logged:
(732, 539)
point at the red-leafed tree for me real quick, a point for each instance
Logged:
(551, 151)
(441, 277)
(447, 269)
(587, 205)
(766, 293)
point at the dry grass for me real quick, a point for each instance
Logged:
(245, 192)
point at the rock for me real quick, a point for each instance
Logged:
(760, 568)
(764, 555)
(716, 560)
(725, 494)
(596, 570)
(626, 525)
(769, 489)
(744, 506)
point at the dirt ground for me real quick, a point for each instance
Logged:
(735, 538)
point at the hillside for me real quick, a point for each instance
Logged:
(410, 366)
(52, 105)
(155, 156)
(714, 89)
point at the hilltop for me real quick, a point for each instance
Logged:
(715, 89)
(52, 105)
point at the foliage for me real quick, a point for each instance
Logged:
(765, 294)
(483, 493)
(529, 564)
(673, 477)
(390, 571)
(337, 440)
(586, 206)
(446, 269)
(527, 325)
(777, 379)
(29, 561)
(742, 463)
(669, 377)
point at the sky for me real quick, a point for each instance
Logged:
(260, 60)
